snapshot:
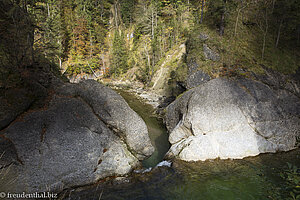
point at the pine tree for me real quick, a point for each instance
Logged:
(127, 11)
(119, 54)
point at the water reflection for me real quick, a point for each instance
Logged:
(250, 178)
(157, 131)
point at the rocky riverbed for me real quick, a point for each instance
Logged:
(90, 124)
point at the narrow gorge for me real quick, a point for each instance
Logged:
(132, 99)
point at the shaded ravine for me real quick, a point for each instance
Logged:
(157, 130)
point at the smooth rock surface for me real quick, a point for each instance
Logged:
(87, 133)
(232, 119)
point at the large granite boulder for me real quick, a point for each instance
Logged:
(85, 133)
(232, 119)
(113, 110)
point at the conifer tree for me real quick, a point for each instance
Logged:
(119, 54)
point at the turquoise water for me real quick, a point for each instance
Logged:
(248, 179)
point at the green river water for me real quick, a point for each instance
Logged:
(157, 131)
(251, 178)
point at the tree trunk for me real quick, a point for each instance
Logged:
(222, 24)
(91, 44)
(152, 70)
(265, 34)
(152, 24)
(298, 34)
(278, 34)
(242, 12)
(148, 63)
(48, 10)
(236, 21)
(104, 66)
(263, 47)
(102, 10)
(273, 6)
(60, 62)
(156, 19)
(202, 8)
(92, 70)
(116, 14)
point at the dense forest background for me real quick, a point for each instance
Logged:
(110, 38)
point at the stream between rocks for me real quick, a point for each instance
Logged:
(157, 131)
(259, 177)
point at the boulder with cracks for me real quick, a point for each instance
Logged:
(232, 119)
(86, 133)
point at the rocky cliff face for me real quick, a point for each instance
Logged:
(225, 118)
(16, 36)
(85, 132)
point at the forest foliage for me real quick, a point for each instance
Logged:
(114, 36)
